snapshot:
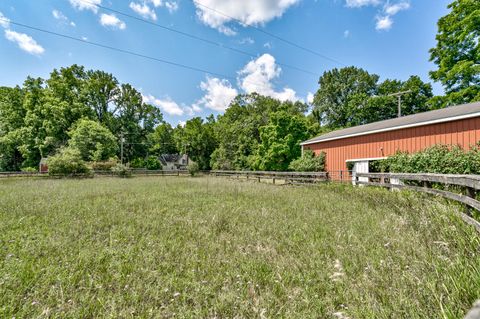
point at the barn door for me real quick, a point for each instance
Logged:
(359, 167)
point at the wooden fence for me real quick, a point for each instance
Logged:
(460, 188)
(276, 177)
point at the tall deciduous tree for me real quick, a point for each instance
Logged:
(197, 140)
(238, 130)
(332, 101)
(161, 140)
(280, 141)
(94, 141)
(457, 54)
(12, 114)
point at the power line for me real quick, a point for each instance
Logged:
(180, 65)
(195, 37)
(298, 46)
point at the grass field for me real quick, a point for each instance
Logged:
(168, 247)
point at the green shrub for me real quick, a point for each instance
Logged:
(309, 162)
(152, 163)
(103, 166)
(121, 170)
(67, 162)
(193, 168)
(441, 159)
(29, 169)
(94, 141)
(137, 163)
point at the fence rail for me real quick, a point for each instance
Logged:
(286, 177)
(468, 184)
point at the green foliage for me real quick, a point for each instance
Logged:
(29, 169)
(442, 159)
(457, 53)
(162, 141)
(104, 165)
(238, 130)
(153, 163)
(280, 142)
(351, 96)
(37, 118)
(197, 139)
(193, 168)
(337, 87)
(67, 162)
(94, 141)
(137, 163)
(309, 162)
(121, 170)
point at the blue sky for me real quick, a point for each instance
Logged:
(387, 37)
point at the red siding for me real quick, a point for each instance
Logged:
(462, 132)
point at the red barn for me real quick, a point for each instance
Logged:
(459, 125)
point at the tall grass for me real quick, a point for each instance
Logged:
(214, 248)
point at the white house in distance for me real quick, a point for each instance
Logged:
(174, 162)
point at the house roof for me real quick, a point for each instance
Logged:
(170, 158)
(431, 117)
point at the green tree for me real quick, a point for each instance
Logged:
(99, 92)
(94, 141)
(238, 130)
(309, 162)
(161, 140)
(457, 54)
(12, 114)
(135, 120)
(383, 106)
(197, 139)
(280, 141)
(332, 101)
(68, 161)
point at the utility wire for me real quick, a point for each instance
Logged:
(298, 46)
(180, 65)
(195, 37)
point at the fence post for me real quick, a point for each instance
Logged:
(472, 193)
(273, 180)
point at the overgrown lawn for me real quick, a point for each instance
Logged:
(179, 247)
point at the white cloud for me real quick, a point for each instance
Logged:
(144, 10)
(4, 21)
(86, 5)
(346, 33)
(218, 94)
(267, 45)
(110, 20)
(384, 18)
(361, 3)
(24, 42)
(167, 105)
(171, 6)
(310, 97)
(156, 3)
(257, 76)
(393, 9)
(63, 18)
(384, 23)
(247, 40)
(250, 12)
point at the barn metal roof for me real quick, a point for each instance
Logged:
(448, 114)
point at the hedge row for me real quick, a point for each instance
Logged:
(441, 159)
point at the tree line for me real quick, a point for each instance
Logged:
(91, 112)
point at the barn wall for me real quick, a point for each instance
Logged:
(462, 132)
